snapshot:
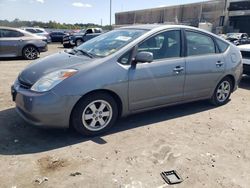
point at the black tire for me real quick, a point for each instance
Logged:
(30, 52)
(79, 42)
(215, 99)
(82, 106)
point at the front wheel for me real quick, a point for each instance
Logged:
(79, 42)
(222, 92)
(30, 52)
(94, 114)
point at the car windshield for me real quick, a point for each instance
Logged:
(110, 42)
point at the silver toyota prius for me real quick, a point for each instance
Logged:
(125, 71)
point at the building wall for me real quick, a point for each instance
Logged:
(189, 14)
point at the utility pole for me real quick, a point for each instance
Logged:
(110, 15)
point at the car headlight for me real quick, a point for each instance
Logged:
(50, 80)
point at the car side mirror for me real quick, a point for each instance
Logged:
(144, 57)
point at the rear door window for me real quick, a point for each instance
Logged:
(199, 44)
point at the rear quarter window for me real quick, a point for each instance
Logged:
(222, 45)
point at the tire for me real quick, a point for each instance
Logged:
(88, 115)
(79, 42)
(30, 52)
(222, 92)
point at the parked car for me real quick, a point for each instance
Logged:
(224, 36)
(77, 39)
(39, 32)
(125, 71)
(16, 42)
(57, 36)
(238, 38)
(245, 51)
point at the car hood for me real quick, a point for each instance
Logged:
(245, 47)
(78, 34)
(61, 60)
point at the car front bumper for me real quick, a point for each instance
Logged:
(43, 48)
(45, 109)
(69, 42)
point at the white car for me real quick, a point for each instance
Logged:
(245, 51)
(38, 31)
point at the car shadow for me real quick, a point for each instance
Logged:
(17, 137)
(12, 59)
(245, 82)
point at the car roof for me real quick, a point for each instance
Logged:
(11, 28)
(33, 28)
(18, 29)
(159, 27)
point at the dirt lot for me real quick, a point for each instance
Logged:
(208, 146)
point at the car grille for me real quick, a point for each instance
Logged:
(245, 54)
(24, 85)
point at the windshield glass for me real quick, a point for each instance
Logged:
(110, 42)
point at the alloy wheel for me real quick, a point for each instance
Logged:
(97, 115)
(223, 91)
(30, 52)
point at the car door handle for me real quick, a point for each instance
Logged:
(219, 63)
(178, 69)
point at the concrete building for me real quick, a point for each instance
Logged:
(224, 15)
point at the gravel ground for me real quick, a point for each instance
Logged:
(208, 146)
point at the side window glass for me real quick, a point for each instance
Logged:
(163, 45)
(125, 59)
(199, 44)
(89, 31)
(10, 33)
(222, 45)
(31, 30)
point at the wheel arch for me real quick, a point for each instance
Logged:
(106, 91)
(232, 78)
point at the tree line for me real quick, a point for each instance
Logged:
(51, 24)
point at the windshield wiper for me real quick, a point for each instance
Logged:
(84, 53)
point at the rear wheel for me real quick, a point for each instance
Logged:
(222, 92)
(94, 114)
(30, 52)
